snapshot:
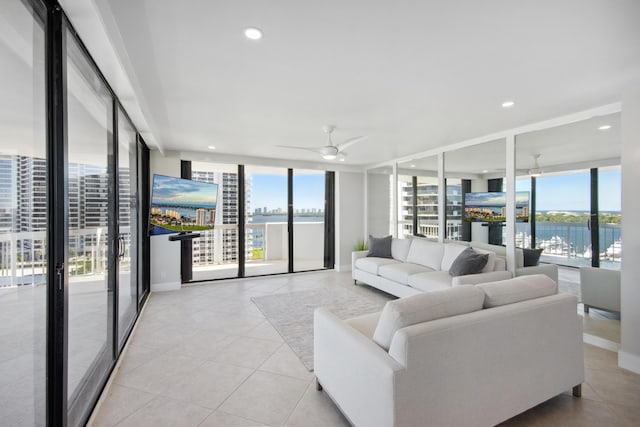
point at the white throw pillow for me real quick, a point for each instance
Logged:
(491, 262)
(451, 252)
(423, 307)
(425, 252)
(518, 289)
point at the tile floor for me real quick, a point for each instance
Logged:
(205, 356)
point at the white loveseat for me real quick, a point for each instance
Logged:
(418, 264)
(466, 366)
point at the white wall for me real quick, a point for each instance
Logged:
(165, 255)
(349, 216)
(629, 355)
(379, 204)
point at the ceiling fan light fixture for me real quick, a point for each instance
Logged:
(329, 156)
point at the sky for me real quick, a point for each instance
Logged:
(176, 190)
(270, 191)
(572, 192)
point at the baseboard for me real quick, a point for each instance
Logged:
(163, 287)
(628, 361)
(600, 342)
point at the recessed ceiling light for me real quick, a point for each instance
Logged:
(253, 33)
(342, 159)
(508, 104)
(412, 166)
(485, 170)
(211, 147)
(604, 127)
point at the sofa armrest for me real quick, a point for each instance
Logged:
(356, 255)
(353, 370)
(550, 270)
(475, 279)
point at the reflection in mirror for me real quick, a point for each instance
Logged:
(576, 220)
(418, 198)
(573, 174)
(380, 201)
(472, 174)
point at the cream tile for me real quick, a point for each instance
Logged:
(285, 362)
(264, 331)
(628, 415)
(119, 404)
(621, 387)
(266, 397)
(599, 358)
(247, 352)
(567, 411)
(222, 419)
(165, 412)
(202, 345)
(316, 409)
(151, 375)
(135, 356)
(207, 386)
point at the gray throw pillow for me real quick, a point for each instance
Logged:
(531, 256)
(468, 262)
(380, 247)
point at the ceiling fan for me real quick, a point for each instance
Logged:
(536, 171)
(330, 151)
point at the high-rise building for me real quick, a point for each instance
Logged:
(427, 207)
(220, 245)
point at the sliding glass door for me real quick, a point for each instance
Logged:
(127, 226)
(24, 223)
(90, 259)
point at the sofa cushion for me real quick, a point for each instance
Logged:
(432, 281)
(491, 262)
(451, 252)
(400, 272)
(365, 324)
(518, 289)
(400, 249)
(425, 252)
(379, 247)
(424, 307)
(371, 264)
(468, 262)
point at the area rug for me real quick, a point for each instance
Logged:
(291, 314)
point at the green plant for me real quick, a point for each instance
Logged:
(362, 246)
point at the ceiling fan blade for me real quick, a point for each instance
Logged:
(315, 150)
(350, 141)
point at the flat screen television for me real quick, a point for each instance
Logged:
(492, 206)
(181, 205)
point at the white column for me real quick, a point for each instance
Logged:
(629, 354)
(442, 200)
(511, 203)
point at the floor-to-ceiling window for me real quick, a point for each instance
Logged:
(308, 219)
(266, 221)
(23, 217)
(610, 214)
(215, 253)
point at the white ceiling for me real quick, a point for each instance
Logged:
(410, 75)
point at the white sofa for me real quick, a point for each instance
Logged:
(600, 288)
(477, 368)
(418, 265)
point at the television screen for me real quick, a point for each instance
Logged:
(181, 205)
(492, 207)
